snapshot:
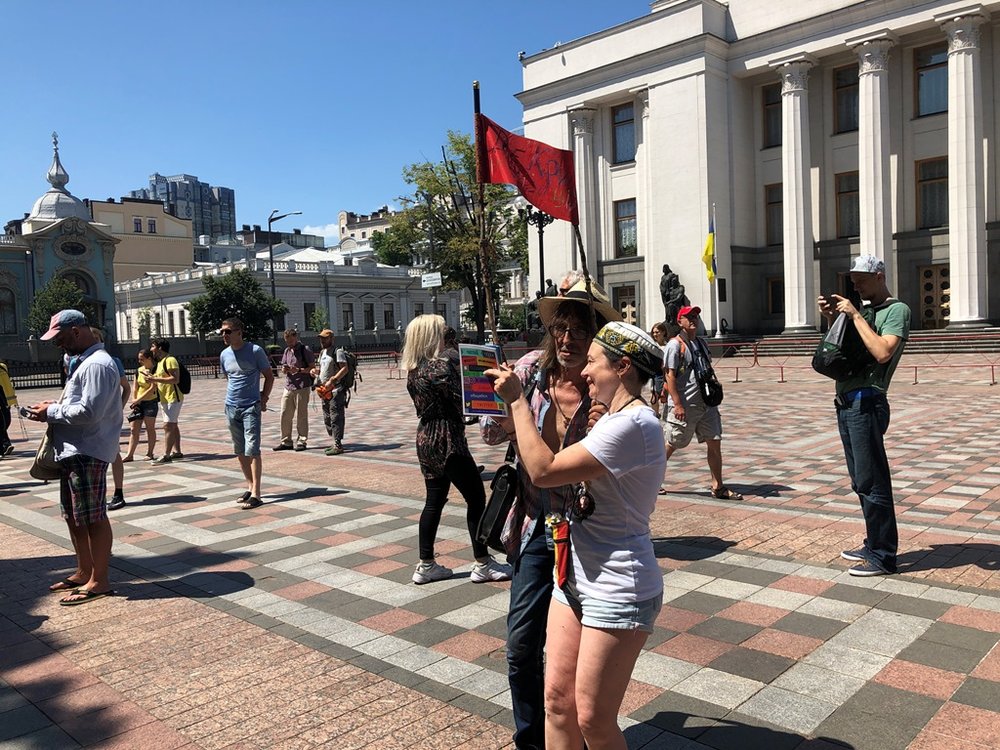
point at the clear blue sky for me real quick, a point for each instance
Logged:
(312, 105)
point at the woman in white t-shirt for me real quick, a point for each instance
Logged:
(610, 591)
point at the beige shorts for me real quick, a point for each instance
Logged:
(171, 411)
(703, 421)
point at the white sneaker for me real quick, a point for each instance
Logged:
(491, 571)
(427, 572)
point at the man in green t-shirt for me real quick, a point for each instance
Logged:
(863, 410)
(166, 377)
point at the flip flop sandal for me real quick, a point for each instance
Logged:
(725, 493)
(245, 497)
(65, 585)
(253, 502)
(662, 491)
(86, 595)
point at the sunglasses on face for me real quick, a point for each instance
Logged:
(225, 331)
(559, 330)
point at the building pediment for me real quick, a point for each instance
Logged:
(72, 226)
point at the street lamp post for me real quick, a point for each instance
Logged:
(541, 220)
(270, 257)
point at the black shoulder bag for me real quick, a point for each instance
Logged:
(841, 354)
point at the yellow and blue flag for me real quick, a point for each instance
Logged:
(708, 257)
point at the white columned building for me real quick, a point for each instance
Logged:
(582, 121)
(874, 188)
(800, 289)
(966, 209)
(821, 131)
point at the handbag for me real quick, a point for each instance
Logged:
(134, 415)
(503, 493)
(841, 354)
(45, 466)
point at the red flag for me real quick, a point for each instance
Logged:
(542, 173)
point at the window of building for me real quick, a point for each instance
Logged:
(932, 193)
(170, 322)
(8, 312)
(182, 323)
(623, 133)
(623, 298)
(364, 235)
(279, 323)
(151, 226)
(347, 315)
(771, 100)
(369, 316)
(774, 226)
(418, 308)
(308, 311)
(776, 296)
(389, 316)
(442, 310)
(137, 224)
(845, 99)
(157, 325)
(930, 79)
(848, 205)
(625, 230)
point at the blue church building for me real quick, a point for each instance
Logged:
(57, 239)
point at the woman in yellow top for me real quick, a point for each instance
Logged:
(145, 402)
(8, 398)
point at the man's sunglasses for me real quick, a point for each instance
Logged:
(577, 334)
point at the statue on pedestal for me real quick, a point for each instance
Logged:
(673, 297)
(533, 320)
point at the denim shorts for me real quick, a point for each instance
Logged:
(149, 408)
(244, 428)
(595, 613)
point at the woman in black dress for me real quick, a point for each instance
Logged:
(435, 387)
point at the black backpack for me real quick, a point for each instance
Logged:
(183, 379)
(841, 354)
(353, 377)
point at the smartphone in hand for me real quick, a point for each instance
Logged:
(26, 412)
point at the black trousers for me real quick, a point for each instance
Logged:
(464, 474)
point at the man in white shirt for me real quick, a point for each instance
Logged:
(86, 423)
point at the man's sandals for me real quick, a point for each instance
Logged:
(82, 596)
(247, 501)
(66, 584)
(725, 493)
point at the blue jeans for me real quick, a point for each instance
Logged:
(530, 594)
(862, 424)
(244, 429)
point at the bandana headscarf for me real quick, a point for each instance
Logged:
(625, 339)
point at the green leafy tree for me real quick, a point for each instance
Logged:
(438, 222)
(318, 320)
(58, 294)
(145, 320)
(236, 294)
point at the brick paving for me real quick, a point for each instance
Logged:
(295, 625)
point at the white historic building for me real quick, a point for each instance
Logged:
(364, 298)
(819, 130)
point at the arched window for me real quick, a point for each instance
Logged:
(8, 312)
(80, 281)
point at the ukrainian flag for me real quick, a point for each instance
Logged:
(708, 257)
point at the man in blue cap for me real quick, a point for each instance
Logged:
(86, 422)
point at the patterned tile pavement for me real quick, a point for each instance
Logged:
(296, 626)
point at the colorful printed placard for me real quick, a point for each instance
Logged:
(478, 398)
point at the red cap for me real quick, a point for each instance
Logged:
(687, 310)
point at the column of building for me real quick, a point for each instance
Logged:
(586, 184)
(874, 186)
(966, 194)
(800, 296)
(649, 292)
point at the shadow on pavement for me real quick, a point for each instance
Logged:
(364, 448)
(689, 547)
(941, 556)
(302, 494)
(726, 734)
(166, 500)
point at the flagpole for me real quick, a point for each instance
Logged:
(715, 283)
(481, 219)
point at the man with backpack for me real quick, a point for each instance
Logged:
(335, 375)
(296, 363)
(168, 382)
(863, 410)
(687, 414)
